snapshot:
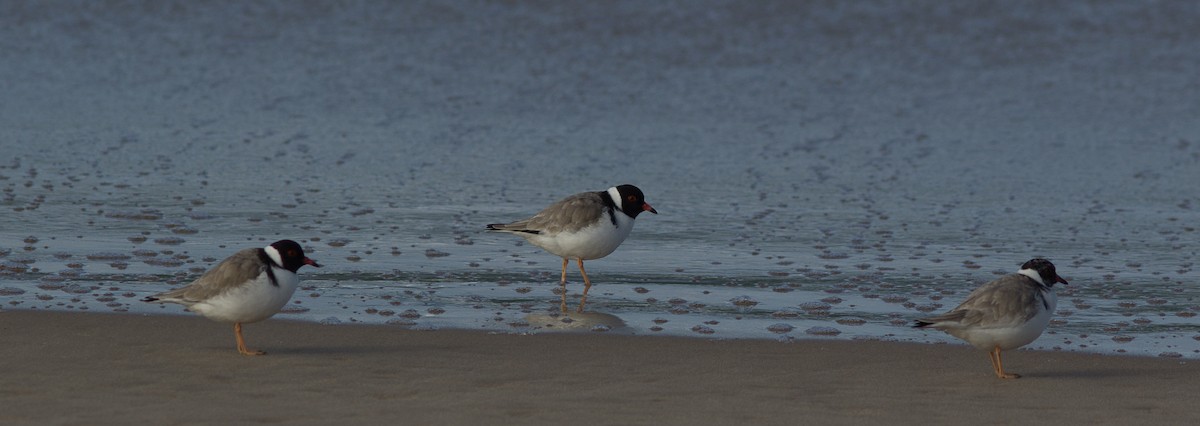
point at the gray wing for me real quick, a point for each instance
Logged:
(243, 266)
(569, 214)
(1011, 297)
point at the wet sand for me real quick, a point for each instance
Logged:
(73, 368)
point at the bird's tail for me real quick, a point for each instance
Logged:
(516, 228)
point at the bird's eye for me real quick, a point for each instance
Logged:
(631, 198)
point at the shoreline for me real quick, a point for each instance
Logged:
(614, 324)
(120, 368)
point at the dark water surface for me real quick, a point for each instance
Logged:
(822, 170)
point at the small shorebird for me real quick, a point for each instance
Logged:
(584, 226)
(250, 286)
(1004, 314)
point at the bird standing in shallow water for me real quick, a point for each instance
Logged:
(584, 226)
(250, 286)
(1004, 314)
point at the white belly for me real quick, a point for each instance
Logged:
(250, 302)
(589, 243)
(1009, 336)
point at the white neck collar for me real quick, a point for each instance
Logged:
(1032, 274)
(616, 197)
(274, 255)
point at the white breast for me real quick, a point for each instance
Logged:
(252, 301)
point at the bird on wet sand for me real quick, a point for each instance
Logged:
(249, 286)
(1004, 314)
(584, 226)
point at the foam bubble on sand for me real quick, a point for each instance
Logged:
(743, 301)
(780, 328)
(822, 331)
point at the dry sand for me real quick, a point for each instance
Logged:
(74, 368)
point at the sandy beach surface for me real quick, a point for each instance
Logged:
(68, 368)
(821, 167)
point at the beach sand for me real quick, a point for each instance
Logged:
(77, 368)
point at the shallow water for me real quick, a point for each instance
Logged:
(822, 171)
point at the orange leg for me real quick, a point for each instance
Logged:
(563, 283)
(237, 331)
(587, 285)
(998, 365)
